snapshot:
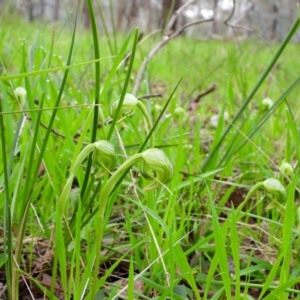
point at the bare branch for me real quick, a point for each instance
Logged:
(231, 14)
(180, 30)
(150, 96)
(175, 15)
(194, 103)
(232, 25)
(162, 43)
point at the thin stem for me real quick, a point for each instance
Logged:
(142, 107)
(252, 190)
(251, 95)
(81, 157)
(103, 199)
(66, 190)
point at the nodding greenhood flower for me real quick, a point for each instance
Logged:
(273, 186)
(267, 103)
(161, 172)
(156, 167)
(21, 94)
(104, 156)
(287, 168)
(128, 107)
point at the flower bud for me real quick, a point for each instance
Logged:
(21, 94)
(287, 169)
(104, 157)
(267, 103)
(180, 113)
(157, 167)
(127, 109)
(273, 186)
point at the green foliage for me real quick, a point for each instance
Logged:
(220, 215)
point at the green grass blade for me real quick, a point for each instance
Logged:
(7, 229)
(125, 86)
(271, 276)
(262, 121)
(282, 288)
(159, 117)
(235, 252)
(288, 225)
(107, 35)
(97, 93)
(221, 250)
(51, 70)
(253, 92)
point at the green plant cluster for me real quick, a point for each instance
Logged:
(80, 219)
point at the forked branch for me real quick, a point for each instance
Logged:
(169, 35)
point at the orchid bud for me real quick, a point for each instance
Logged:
(127, 109)
(267, 103)
(104, 157)
(180, 113)
(273, 186)
(287, 169)
(21, 94)
(157, 167)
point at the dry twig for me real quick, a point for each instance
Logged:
(167, 38)
(232, 25)
(194, 103)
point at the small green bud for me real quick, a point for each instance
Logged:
(21, 94)
(287, 169)
(157, 167)
(180, 113)
(273, 186)
(127, 109)
(267, 103)
(104, 157)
